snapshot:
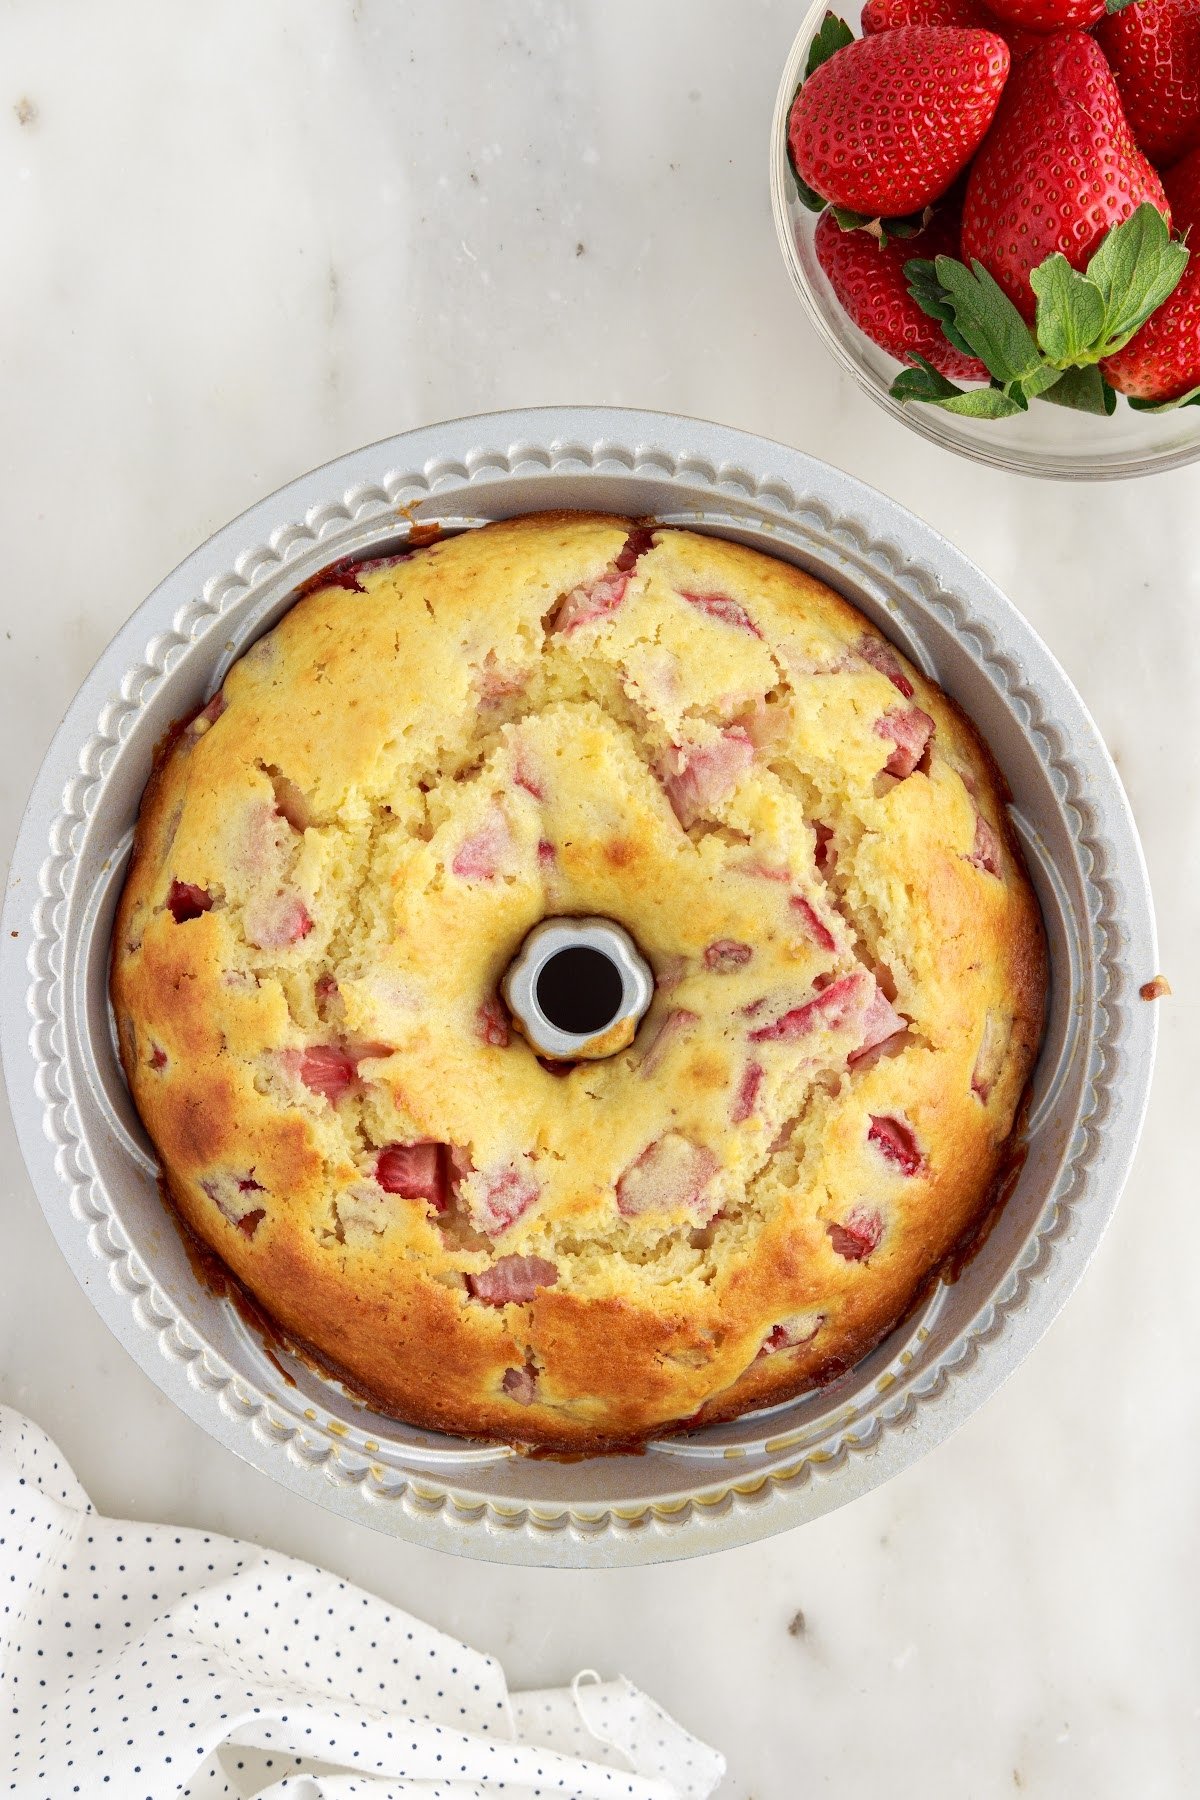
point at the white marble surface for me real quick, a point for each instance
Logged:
(240, 239)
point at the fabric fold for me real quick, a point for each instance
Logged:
(149, 1660)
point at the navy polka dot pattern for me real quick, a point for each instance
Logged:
(152, 1663)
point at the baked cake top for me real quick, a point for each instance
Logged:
(568, 714)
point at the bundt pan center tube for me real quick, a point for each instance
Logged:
(578, 989)
(725, 1483)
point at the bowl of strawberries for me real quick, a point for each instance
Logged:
(992, 216)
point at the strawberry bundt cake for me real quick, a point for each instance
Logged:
(561, 716)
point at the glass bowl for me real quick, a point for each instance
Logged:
(1047, 440)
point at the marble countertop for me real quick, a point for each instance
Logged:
(242, 239)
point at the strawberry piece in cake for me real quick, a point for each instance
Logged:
(676, 1025)
(277, 921)
(492, 1022)
(513, 1280)
(725, 954)
(883, 658)
(746, 1099)
(671, 1172)
(415, 1172)
(706, 774)
(814, 925)
(858, 1235)
(881, 1023)
(187, 901)
(481, 856)
(720, 606)
(985, 851)
(499, 1198)
(896, 1143)
(910, 730)
(591, 601)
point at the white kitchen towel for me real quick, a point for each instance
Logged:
(144, 1662)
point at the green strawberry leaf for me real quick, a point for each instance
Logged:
(833, 36)
(1085, 390)
(933, 299)
(924, 382)
(856, 221)
(1070, 311)
(986, 403)
(1014, 393)
(988, 321)
(1136, 267)
(925, 288)
(1191, 398)
(807, 196)
(1038, 381)
(905, 228)
(1080, 318)
(1116, 6)
(882, 230)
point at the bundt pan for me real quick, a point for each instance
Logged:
(727, 1484)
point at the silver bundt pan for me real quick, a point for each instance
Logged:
(89, 1158)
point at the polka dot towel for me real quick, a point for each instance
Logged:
(149, 1663)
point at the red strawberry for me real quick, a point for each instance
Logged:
(910, 730)
(813, 923)
(1049, 15)
(1154, 49)
(513, 1280)
(1162, 360)
(676, 1025)
(890, 15)
(720, 606)
(324, 1068)
(1058, 169)
(727, 953)
(187, 901)
(415, 1171)
(746, 1099)
(845, 1002)
(869, 283)
(885, 125)
(706, 774)
(859, 1235)
(880, 1024)
(896, 1143)
(985, 851)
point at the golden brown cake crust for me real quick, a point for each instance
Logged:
(567, 714)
